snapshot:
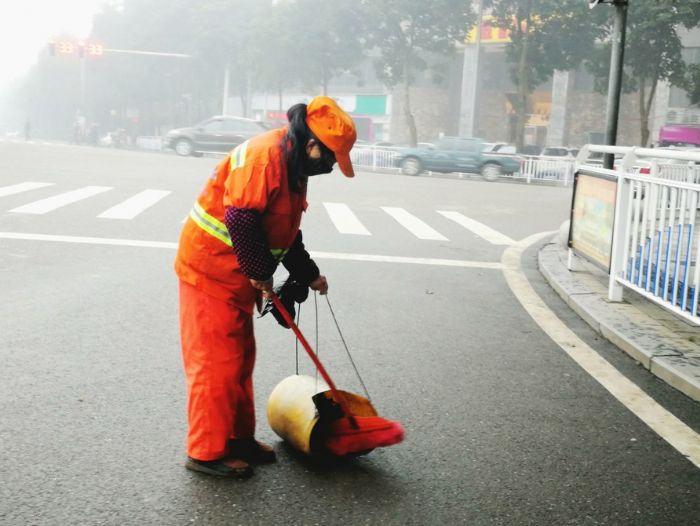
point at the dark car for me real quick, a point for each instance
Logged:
(557, 151)
(217, 135)
(456, 154)
(531, 149)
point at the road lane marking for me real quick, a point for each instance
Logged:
(136, 204)
(344, 220)
(57, 201)
(489, 234)
(88, 240)
(21, 187)
(414, 225)
(375, 258)
(662, 422)
(409, 260)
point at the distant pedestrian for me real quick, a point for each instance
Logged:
(79, 128)
(76, 133)
(93, 134)
(27, 130)
(243, 224)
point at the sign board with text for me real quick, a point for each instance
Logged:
(593, 216)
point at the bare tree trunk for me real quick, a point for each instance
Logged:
(643, 117)
(645, 104)
(248, 110)
(523, 79)
(410, 121)
(243, 95)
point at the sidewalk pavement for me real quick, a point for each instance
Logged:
(664, 344)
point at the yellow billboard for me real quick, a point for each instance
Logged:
(489, 33)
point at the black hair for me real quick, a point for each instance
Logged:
(298, 135)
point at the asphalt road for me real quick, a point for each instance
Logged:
(502, 426)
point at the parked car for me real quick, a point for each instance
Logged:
(531, 149)
(499, 147)
(456, 154)
(117, 138)
(679, 136)
(556, 151)
(218, 134)
(505, 149)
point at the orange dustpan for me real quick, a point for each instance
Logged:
(351, 423)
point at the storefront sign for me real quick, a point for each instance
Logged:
(491, 34)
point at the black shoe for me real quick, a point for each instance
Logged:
(229, 467)
(251, 450)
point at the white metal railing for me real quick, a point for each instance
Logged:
(655, 246)
(374, 157)
(684, 172)
(532, 168)
(149, 143)
(548, 169)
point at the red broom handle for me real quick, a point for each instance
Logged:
(336, 394)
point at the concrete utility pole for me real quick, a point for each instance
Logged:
(617, 54)
(470, 79)
(224, 107)
(82, 83)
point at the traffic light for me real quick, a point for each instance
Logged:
(69, 47)
(95, 50)
(65, 47)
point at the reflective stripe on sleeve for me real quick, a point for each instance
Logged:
(238, 155)
(210, 224)
(279, 253)
(216, 228)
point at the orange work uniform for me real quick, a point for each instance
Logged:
(217, 298)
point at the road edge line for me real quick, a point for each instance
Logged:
(669, 427)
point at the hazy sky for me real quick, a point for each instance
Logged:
(27, 25)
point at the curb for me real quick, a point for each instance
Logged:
(657, 340)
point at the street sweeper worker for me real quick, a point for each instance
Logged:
(243, 224)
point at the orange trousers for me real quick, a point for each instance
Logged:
(218, 352)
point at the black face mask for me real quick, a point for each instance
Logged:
(322, 165)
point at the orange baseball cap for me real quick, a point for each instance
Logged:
(334, 128)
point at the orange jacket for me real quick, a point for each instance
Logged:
(253, 176)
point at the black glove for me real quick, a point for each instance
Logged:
(289, 293)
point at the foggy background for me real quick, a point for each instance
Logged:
(403, 69)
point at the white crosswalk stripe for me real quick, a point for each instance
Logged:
(57, 201)
(417, 227)
(489, 234)
(21, 187)
(344, 220)
(340, 214)
(136, 204)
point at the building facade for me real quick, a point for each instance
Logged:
(566, 110)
